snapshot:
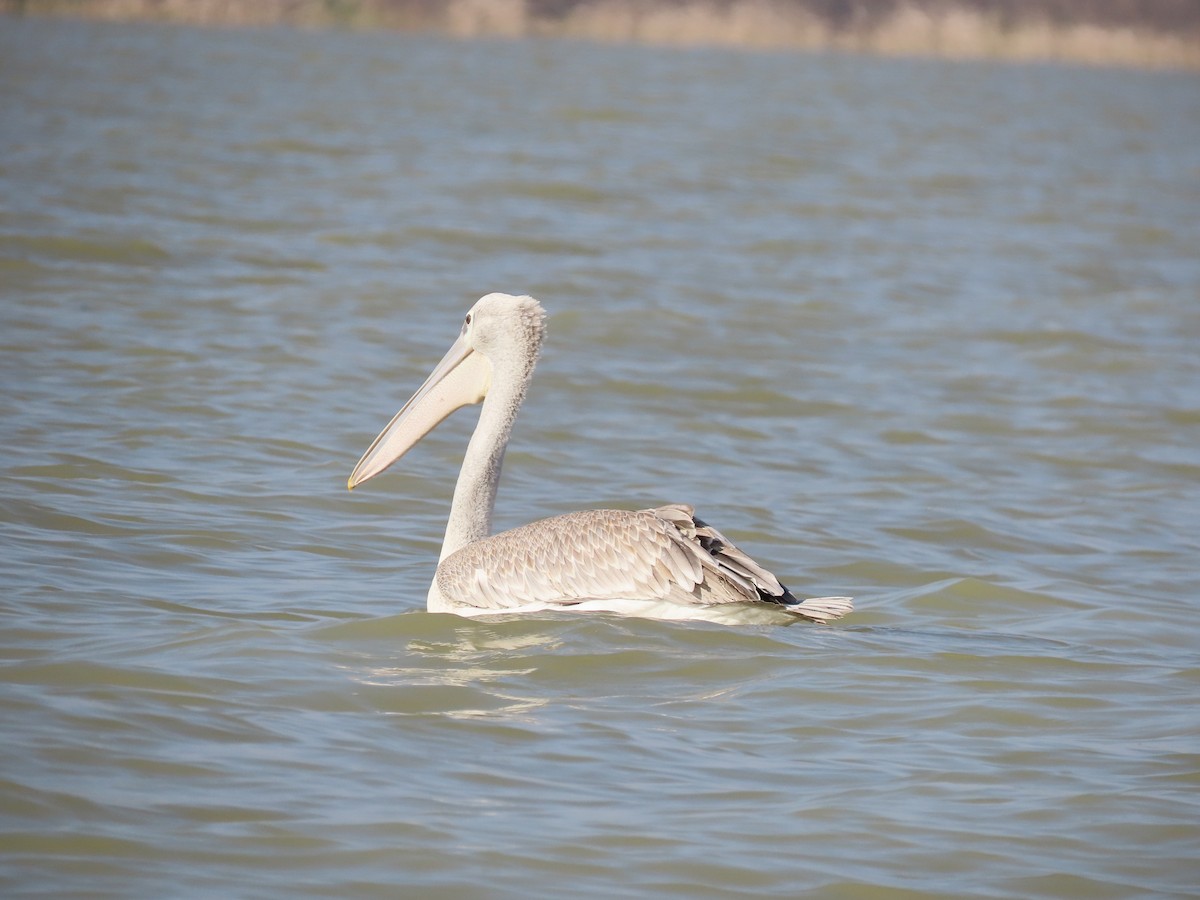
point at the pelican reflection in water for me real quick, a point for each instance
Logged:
(662, 563)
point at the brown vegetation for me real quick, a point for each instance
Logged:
(1151, 33)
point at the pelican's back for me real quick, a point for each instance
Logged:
(619, 560)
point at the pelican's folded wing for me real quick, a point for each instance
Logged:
(662, 554)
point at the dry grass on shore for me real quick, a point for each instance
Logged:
(947, 30)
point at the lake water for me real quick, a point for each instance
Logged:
(923, 333)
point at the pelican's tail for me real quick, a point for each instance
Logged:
(822, 609)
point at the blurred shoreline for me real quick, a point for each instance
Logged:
(1153, 34)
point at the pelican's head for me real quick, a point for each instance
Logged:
(499, 331)
(501, 325)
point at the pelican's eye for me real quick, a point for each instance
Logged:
(467, 321)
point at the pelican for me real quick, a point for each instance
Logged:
(662, 563)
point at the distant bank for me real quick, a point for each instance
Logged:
(1140, 33)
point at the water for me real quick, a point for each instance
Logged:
(922, 333)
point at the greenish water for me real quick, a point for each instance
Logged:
(921, 333)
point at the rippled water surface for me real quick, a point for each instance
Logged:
(922, 333)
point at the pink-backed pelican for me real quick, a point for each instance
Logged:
(662, 563)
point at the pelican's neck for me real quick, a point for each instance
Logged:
(475, 494)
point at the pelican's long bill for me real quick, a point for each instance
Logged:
(460, 379)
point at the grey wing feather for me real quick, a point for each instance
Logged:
(652, 554)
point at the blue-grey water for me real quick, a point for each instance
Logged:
(923, 333)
